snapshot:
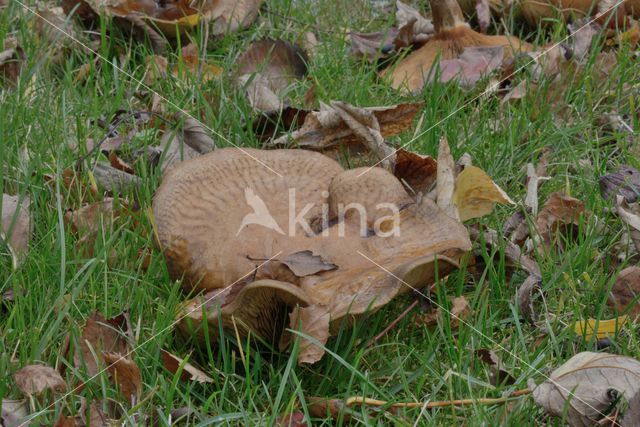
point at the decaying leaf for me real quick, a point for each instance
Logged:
(190, 141)
(475, 194)
(12, 59)
(267, 69)
(498, 374)
(525, 297)
(417, 172)
(193, 66)
(459, 313)
(630, 215)
(600, 329)
(586, 386)
(14, 412)
(99, 336)
(87, 222)
(16, 223)
(321, 407)
(189, 372)
(452, 36)
(559, 215)
(256, 226)
(115, 180)
(37, 379)
(340, 126)
(125, 374)
(625, 292)
(625, 182)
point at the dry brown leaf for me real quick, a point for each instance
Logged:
(14, 413)
(560, 215)
(327, 130)
(460, 311)
(498, 374)
(125, 374)
(233, 15)
(100, 335)
(93, 415)
(114, 180)
(12, 59)
(156, 69)
(189, 372)
(475, 194)
(37, 379)
(630, 215)
(267, 70)
(16, 223)
(87, 221)
(417, 172)
(322, 407)
(625, 293)
(525, 297)
(243, 237)
(587, 385)
(192, 66)
(446, 180)
(118, 163)
(452, 36)
(625, 182)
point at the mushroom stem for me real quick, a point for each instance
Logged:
(446, 15)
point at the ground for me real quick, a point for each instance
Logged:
(52, 111)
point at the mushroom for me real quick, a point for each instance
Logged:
(452, 36)
(271, 233)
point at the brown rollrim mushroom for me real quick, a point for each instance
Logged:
(452, 36)
(265, 231)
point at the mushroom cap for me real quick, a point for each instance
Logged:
(345, 269)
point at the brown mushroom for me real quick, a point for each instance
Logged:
(236, 217)
(452, 36)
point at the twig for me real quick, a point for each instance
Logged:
(437, 404)
(394, 323)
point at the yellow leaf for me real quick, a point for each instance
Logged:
(604, 329)
(476, 193)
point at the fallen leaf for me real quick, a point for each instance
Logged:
(321, 407)
(625, 292)
(410, 21)
(193, 67)
(100, 335)
(525, 297)
(13, 413)
(93, 415)
(36, 379)
(118, 163)
(156, 69)
(625, 182)
(189, 372)
(630, 215)
(125, 374)
(327, 130)
(417, 172)
(267, 70)
(233, 15)
(586, 386)
(12, 59)
(294, 419)
(459, 313)
(16, 223)
(475, 194)
(498, 374)
(599, 328)
(560, 214)
(446, 180)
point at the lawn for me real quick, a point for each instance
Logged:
(65, 92)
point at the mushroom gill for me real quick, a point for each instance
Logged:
(238, 224)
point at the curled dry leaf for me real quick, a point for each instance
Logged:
(37, 379)
(560, 214)
(417, 172)
(525, 297)
(12, 59)
(342, 127)
(372, 269)
(452, 36)
(625, 182)
(16, 223)
(630, 215)
(114, 180)
(267, 69)
(189, 141)
(125, 374)
(475, 194)
(625, 292)
(586, 386)
(498, 374)
(459, 313)
(14, 412)
(189, 372)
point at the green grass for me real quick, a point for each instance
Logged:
(57, 287)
